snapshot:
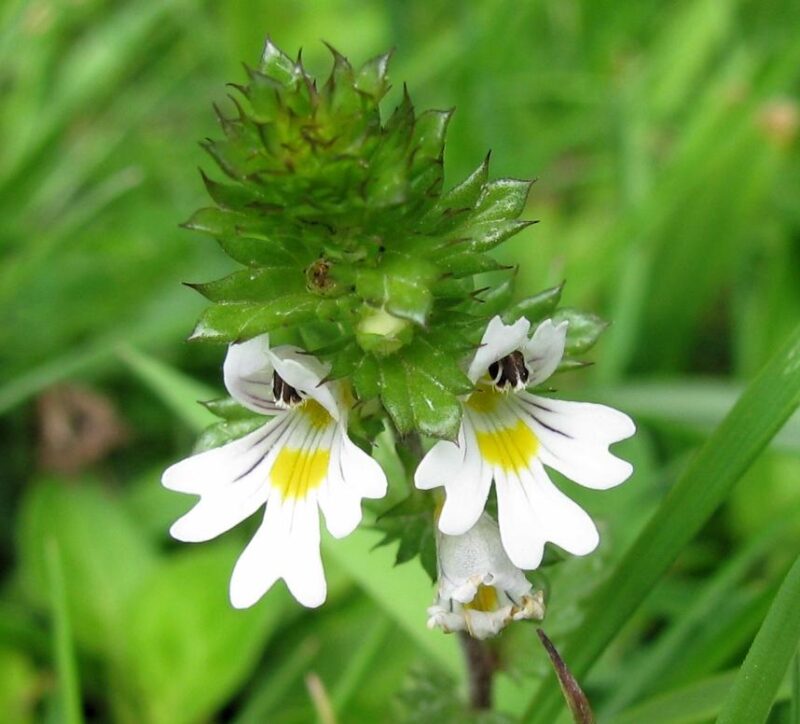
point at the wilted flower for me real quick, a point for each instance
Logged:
(479, 589)
(508, 435)
(298, 462)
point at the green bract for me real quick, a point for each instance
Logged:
(340, 220)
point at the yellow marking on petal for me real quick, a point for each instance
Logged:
(485, 399)
(485, 599)
(317, 416)
(296, 472)
(512, 448)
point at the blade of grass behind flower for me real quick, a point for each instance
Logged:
(668, 651)
(68, 689)
(753, 692)
(764, 407)
(697, 702)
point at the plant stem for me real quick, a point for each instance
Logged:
(481, 665)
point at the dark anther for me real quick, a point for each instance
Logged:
(283, 393)
(509, 371)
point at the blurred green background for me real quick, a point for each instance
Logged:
(664, 137)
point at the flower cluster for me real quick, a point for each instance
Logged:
(302, 461)
(360, 309)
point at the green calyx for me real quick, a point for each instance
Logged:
(341, 222)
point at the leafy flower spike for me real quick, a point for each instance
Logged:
(296, 463)
(509, 435)
(480, 590)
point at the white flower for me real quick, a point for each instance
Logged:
(480, 590)
(298, 462)
(508, 435)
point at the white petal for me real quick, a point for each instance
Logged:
(532, 511)
(248, 375)
(440, 463)
(303, 565)
(544, 350)
(574, 439)
(232, 481)
(362, 471)
(466, 488)
(485, 624)
(566, 523)
(286, 545)
(521, 528)
(306, 374)
(340, 503)
(498, 341)
(215, 469)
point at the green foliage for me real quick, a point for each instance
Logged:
(410, 523)
(665, 141)
(431, 697)
(756, 685)
(56, 515)
(356, 232)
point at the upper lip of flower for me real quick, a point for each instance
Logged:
(298, 462)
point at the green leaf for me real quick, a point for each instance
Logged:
(475, 237)
(411, 522)
(498, 297)
(226, 408)
(226, 431)
(185, 650)
(366, 377)
(583, 331)
(255, 252)
(535, 308)
(371, 77)
(761, 411)
(254, 285)
(465, 194)
(240, 321)
(753, 692)
(501, 200)
(430, 129)
(98, 545)
(277, 65)
(465, 264)
(418, 390)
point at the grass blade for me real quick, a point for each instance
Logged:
(760, 412)
(697, 702)
(666, 654)
(750, 699)
(68, 688)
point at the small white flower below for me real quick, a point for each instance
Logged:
(297, 463)
(480, 590)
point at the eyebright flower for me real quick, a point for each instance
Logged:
(480, 590)
(298, 462)
(508, 435)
